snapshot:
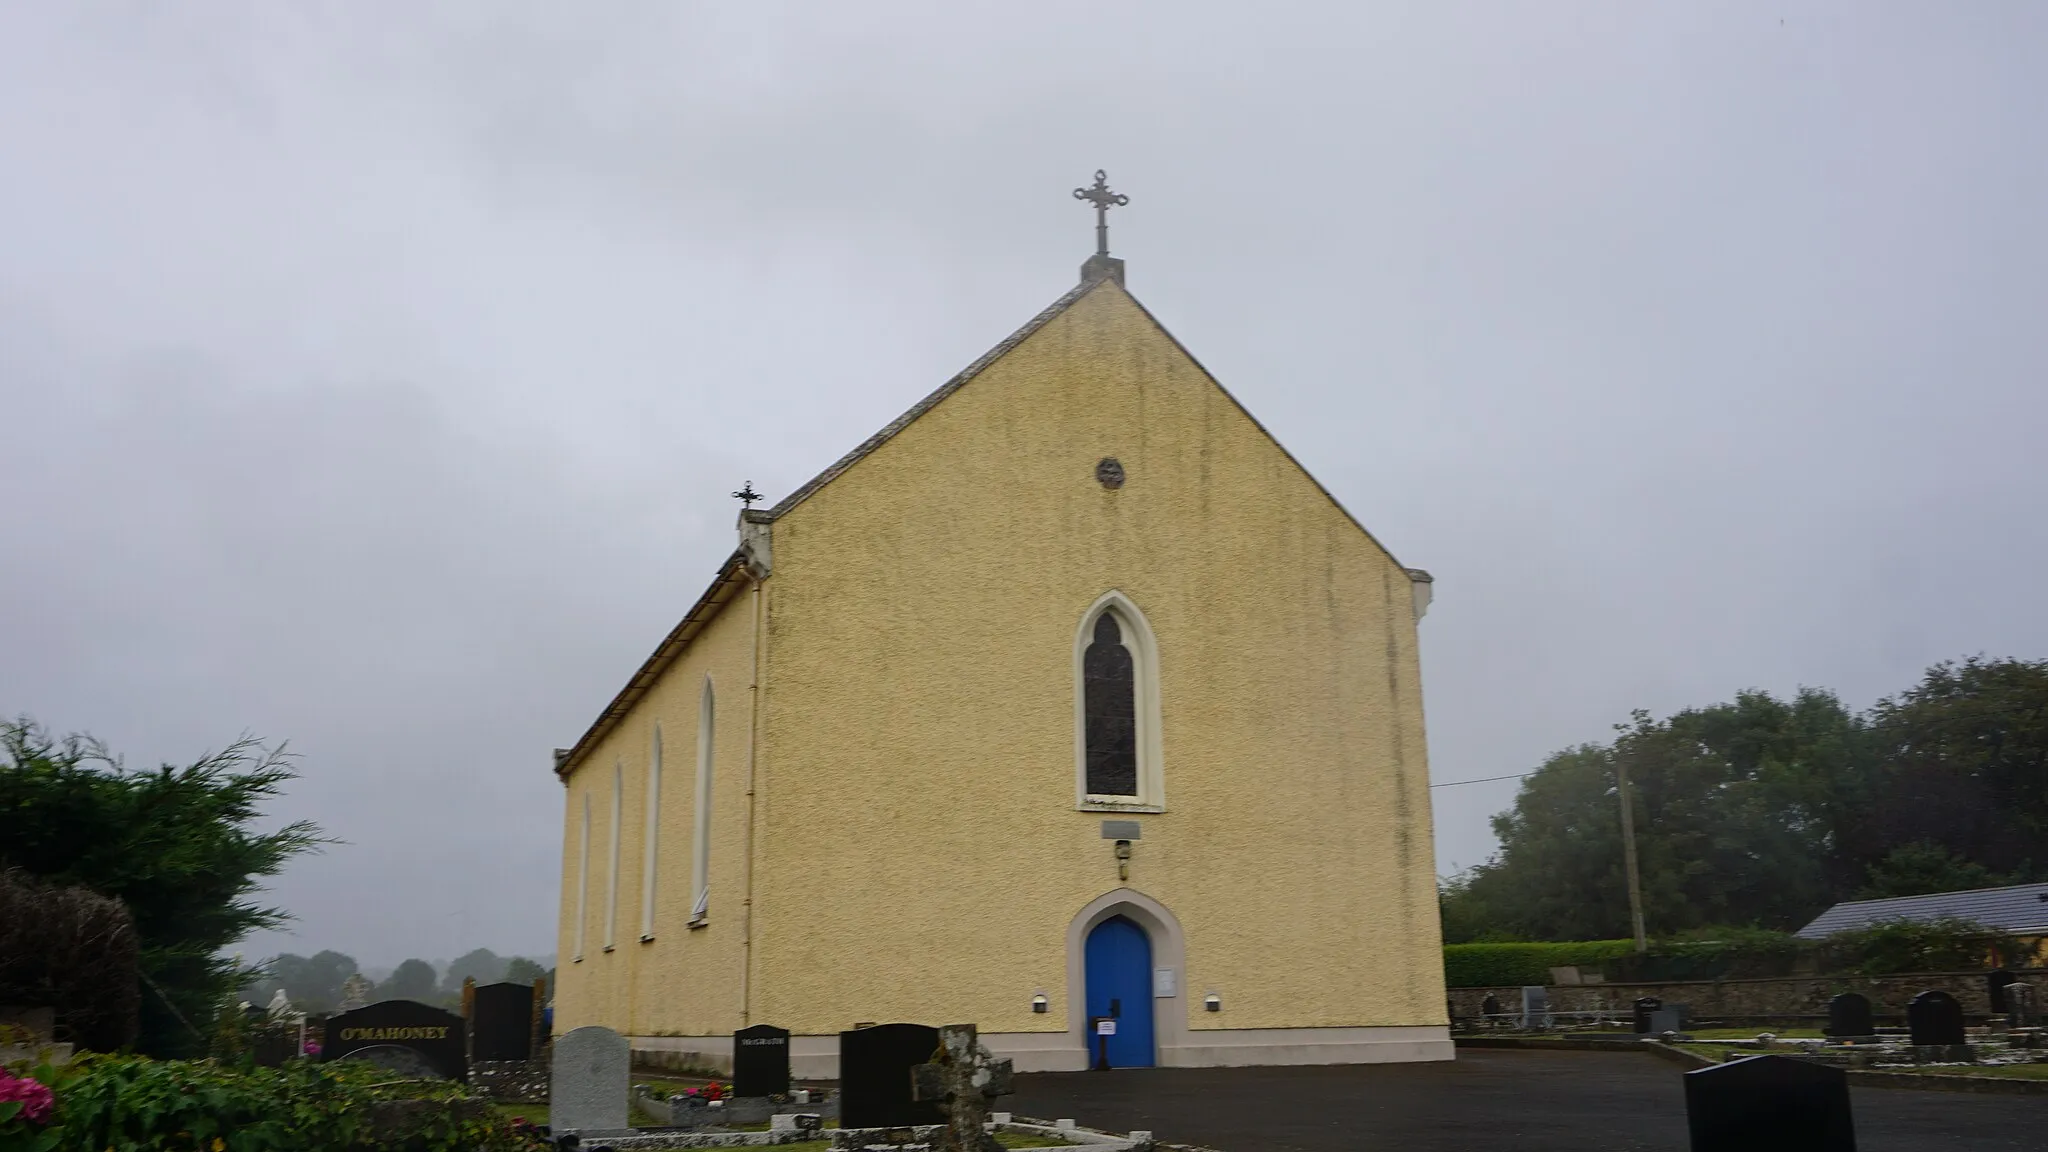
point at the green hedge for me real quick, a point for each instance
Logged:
(134, 1104)
(1496, 965)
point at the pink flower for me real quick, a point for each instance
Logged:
(34, 1096)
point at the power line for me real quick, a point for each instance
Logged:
(1487, 779)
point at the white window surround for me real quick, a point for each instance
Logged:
(611, 892)
(583, 880)
(647, 869)
(700, 854)
(1137, 637)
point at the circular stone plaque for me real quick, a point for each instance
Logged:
(1109, 473)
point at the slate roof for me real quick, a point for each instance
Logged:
(2021, 908)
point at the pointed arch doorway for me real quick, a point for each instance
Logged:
(1118, 969)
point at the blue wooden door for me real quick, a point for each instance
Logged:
(1120, 987)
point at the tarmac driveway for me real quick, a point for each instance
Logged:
(1487, 1100)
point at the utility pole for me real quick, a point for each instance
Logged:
(1628, 852)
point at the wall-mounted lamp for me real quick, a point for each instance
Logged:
(1040, 1004)
(1123, 859)
(1212, 1003)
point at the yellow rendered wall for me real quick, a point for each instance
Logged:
(684, 982)
(919, 852)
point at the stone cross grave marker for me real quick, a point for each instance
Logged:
(874, 1076)
(501, 1022)
(436, 1036)
(967, 1078)
(1935, 1018)
(1849, 1015)
(760, 1061)
(588, 1085)
(1769, 1104)
(355, 992)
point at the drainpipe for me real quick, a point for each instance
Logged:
(747, 851)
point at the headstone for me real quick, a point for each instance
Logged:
(399, 1061)
(1669, 1018)
(1935, 1018)
(1769, 1104)
(434, 1034)
(1644, 1006)
(1849, 1015)
(874, 1076)
(966, 1079)
(1566, 975)
(2020, 1004)
(760, 1061)
(1535, 1006)
(589, 1081)
(1996, 982)
(280, 1006)
(1490, 1006)
(501, 1022)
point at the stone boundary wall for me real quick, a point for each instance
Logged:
(1783, 996)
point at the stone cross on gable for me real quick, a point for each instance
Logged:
(964, 1077)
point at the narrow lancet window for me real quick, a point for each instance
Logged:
(1109, 686)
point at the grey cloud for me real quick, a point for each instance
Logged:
(385, 373)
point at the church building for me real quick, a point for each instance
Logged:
(1067, 697)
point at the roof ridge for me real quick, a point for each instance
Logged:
(959, 379)
(1947, 892)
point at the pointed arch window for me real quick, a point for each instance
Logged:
(1116, 709)
(583, 879)
(700, 855)
(653, 836)
(611, 889)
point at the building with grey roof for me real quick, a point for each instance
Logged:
(2021, 909)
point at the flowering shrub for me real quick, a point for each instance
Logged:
(27, 1106)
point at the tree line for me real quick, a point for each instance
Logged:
(314, 983)
(1761, 812)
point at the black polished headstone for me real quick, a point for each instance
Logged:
(1849, 1015)
(1490, 1006)
(874, 1076)
(501, 1022)
(760, 1061)
(1644, 1006)
(434, 1034)
(1769, 1104)
(1935, 1017)
(1996, 982)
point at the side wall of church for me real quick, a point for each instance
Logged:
(684, 981)
(921, 853)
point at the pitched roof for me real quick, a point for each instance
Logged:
(1045, 317)
(727, 584)
(729, 576)
(2019, 908)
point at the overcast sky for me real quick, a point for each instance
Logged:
(375, 375)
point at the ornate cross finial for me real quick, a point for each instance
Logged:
(1104, 200)
(965, 1077)
(746, 495)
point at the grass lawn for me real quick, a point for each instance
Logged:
(538, 1114)
(1753, 1033)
